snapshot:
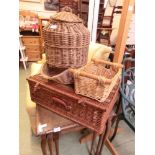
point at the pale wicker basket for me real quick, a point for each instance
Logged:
(97, 79)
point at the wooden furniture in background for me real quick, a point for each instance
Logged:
(23, 57)
(33, 49)
(84, 8)
(105, 29)
(34, 1)
(127, 11)
(31, 40)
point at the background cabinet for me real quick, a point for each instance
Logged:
(32, 47)
(84, 9)
(30, 31)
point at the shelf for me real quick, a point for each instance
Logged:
(84, 12)
(85, 1)
(87, 12)
(29, 33)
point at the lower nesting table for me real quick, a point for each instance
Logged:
(50, 126)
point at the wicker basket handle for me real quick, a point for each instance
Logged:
(55, 99)
(92, 76)
(108, 63)
(67, 9)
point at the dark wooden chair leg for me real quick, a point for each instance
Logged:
(118, 108)
(56, 140)
(116, 119)
(106, 134)
(43, 144)
(99, 144)
(50, 142)
(119, 118)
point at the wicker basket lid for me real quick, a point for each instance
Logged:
(66, 15)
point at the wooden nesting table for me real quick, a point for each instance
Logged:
(103, 138)
(50, 126)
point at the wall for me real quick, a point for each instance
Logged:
(36, 7)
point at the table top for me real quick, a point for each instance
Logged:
(48, 122)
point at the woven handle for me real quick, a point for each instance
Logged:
(67, 9)
(92, 76)
(55, 99)
(108, 63)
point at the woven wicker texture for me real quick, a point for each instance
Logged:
(66, 41)
(62, 100)
(96, 89)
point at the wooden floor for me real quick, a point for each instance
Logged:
(124, 141)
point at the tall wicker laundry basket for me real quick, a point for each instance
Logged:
(66, 40)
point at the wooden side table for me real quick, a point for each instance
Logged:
(50, 126)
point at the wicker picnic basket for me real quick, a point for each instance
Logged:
(96, 80)
(62, 100)
(66, 40)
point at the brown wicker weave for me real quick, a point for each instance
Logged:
(62, 100)
(66, 41)
(95, 80)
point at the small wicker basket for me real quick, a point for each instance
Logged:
(95, 80)
(66, 40)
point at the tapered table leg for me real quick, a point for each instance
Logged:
(106, 134)
(44, 144)
(110, 147)
(93, 141)
(99, 144)
(50, 142)
(56, 140)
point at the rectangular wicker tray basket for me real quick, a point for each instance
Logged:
(62, 100)
(97, 79)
